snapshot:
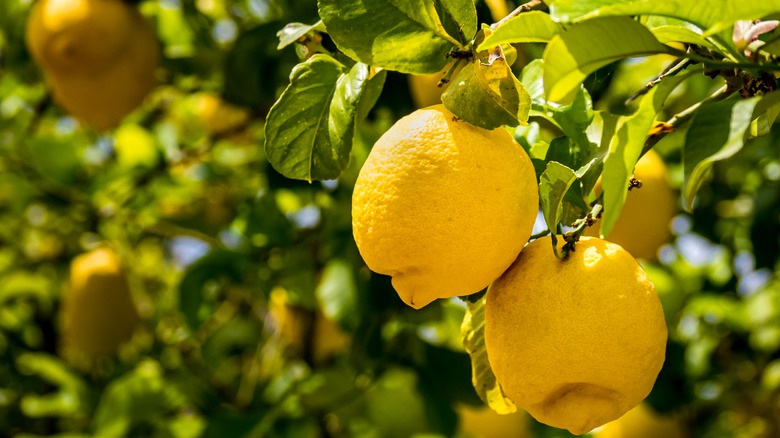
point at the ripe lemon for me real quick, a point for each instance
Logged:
(217, 115)
(483, 422)
(643, 225)
(101, 83)
(576, 343)
(98, 313)
(642, 422)
(442, 206)
(79, 36)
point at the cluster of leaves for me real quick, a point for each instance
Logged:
(235, 265)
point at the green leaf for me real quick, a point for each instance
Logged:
(717, 132)
(144, 396)
(337, 294)
(309, 131)
(482, 377)
(370, 96)
(625, 148)
(407, 36)
(574, 119)
(529, 27)
(71, 396)
(488, 95)
(211, 267)
(681, 34)
(532, 78)
(714, 15)
(293, 31)
(553, 185)
(572, 55)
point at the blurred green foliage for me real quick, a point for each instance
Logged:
(259, 316)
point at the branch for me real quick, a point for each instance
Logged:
(519, 10)
(683, 116)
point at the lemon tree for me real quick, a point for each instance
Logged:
(298, 248)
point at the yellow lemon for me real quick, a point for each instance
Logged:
(643, 225)
(442, 206)
(483, 422)
(642, 422)
(576, 343)
(112, 81)
(79, 36)
(98, 313)
(217, 115)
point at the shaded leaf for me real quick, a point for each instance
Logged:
(572, 55)
(214, 265)
(718, 131)
(488, 96)
(482, 377)
(553, 185)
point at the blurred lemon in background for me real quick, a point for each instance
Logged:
(98, 312)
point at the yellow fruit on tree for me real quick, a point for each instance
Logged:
(576, 343)
(98, 56)
(483, 422)
(442, 206)
(79, 36)
(98, 313)
(218, 116)
(642, 422)
(643, 225)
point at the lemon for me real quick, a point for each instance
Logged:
(218, 116)
(98, 313)
(483, 422)
(576, 343)
(442, 206)
(98, 84)
(642, 422)
(643, 225)
(79, 36)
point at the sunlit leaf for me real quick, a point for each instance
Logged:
(410, 37)
(530, 27)
(707, 15)
(625, 148)
(293, 31)
(572, 55)
(309, 131)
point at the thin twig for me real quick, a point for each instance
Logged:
(519, 10)
(685, 115)
(672, 69)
